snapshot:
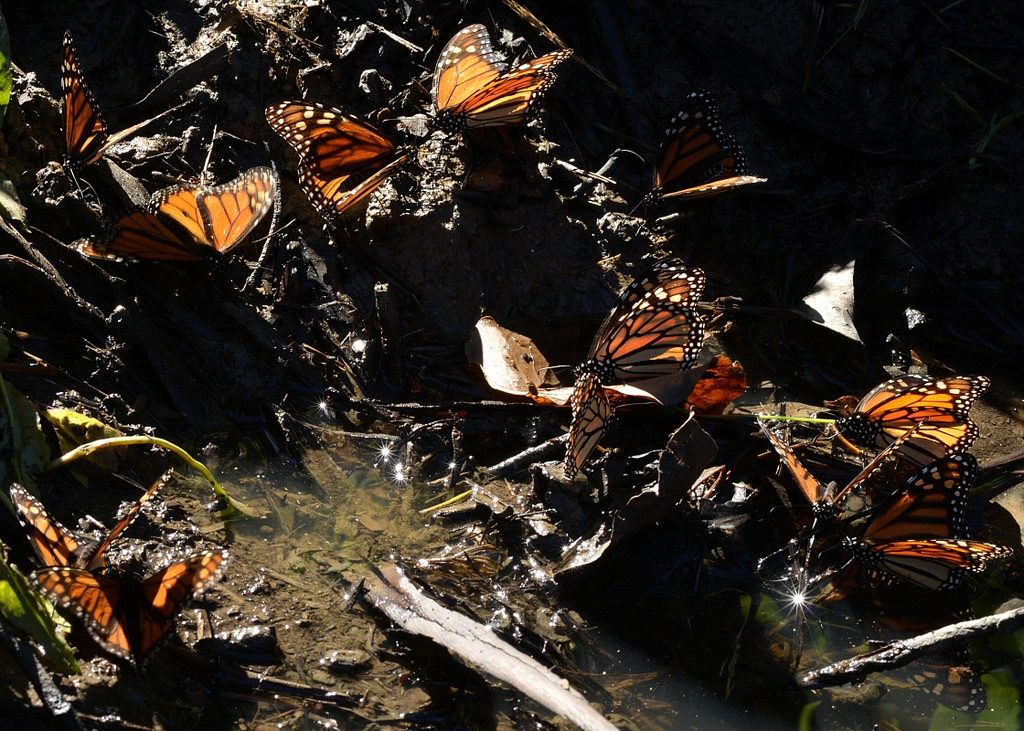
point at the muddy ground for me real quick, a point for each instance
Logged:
(889, 134)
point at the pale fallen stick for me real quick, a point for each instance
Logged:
(395, 595)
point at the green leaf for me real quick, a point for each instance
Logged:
(5, 68)
(22, 439)
(22, 607)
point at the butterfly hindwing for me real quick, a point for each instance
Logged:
(591, 411)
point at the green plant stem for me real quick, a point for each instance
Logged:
(450, 501)
(85, 450)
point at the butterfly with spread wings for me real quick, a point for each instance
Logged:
(591, 410)
(920, 537)
(126, 617)
(186, 223)
(342, 159)
(472, 88)
(56, 546)
(698, 158)
(654, 330)
(85, 129)
(940, 406)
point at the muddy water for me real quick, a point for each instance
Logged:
(652, 646)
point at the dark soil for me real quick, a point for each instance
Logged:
(887, 133)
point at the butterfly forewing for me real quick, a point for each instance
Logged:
(935, 564)
(933, 505)
(331, 141)
(141, 235)
(697, 157)
(466, 64)
(809, 485)
(85, 130)
(591, 411)
(52, 542)
(653, 331)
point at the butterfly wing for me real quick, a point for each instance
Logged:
(95, 558)
(467, 63)
(222, 216)
(940, 406)
(809, 485)
(591, 410)
(52, 542)
(95, 599)
(472, 88)
(141, 235)
(333, 148)
(935, 564)
(84, 127)
(330, 195)
(164, 594)
(697, 157)
(654, 330)
(514, 96)
(934, 504)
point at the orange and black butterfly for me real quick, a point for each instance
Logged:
(56, 546)
(591, 411)
(191, 223)
(342, 160)
(825, 500)
(473, 88)
(654, 330)
(126, 617)
(940, 406)
(85, 130)
(920, 537)
(697, 157)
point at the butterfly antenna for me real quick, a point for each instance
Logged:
(209, 153)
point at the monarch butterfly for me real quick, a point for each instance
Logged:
(333, 148)
(653, 331)
(933, 563)
(591, 411)
(187, 224)
(940, 406)
(126, 617)
(919, 537)
(825, 501)
(85, 130)
(55, 545)
(697, 157)
(472, 88)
